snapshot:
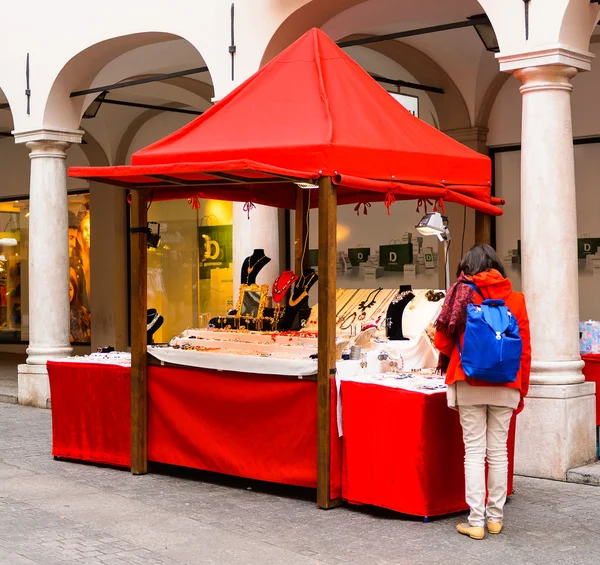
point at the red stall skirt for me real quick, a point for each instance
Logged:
(404, 450)
(91, 412)
(261, 427)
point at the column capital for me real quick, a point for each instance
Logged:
(558, 55)
(546, 77)
(56, 137)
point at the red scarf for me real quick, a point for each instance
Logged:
(453, 317)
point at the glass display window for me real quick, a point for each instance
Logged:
(190, 272)
(14, 269)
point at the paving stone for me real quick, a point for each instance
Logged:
(66, 513)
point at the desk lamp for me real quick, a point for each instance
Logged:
(436, 224)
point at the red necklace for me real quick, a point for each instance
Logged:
(282, 284)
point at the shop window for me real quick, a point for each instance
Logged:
(507, 183)
(79, 268)
(14, 269)
(376, 249)
(190, 272)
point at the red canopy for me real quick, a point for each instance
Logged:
(311, 112)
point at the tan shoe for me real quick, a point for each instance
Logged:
(494, 527)
(474, 532)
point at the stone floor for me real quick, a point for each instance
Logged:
(8, 376)
(58, 512)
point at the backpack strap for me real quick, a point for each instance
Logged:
(475, 288)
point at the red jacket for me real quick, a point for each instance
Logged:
(493, 285)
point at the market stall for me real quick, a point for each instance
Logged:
(292, 148)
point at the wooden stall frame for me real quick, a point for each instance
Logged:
(139, 336)
(326, 340)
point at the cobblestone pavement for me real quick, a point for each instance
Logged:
(57, 512)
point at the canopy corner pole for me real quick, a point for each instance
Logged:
(301, 230)
(326, 339)
(483, 228)
(138, 322)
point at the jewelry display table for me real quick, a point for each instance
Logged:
(403, 450)
(260, 427)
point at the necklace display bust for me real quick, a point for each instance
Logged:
(298, 301)
(395, 312)
(252, 265)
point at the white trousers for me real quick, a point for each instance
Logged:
(485, 433)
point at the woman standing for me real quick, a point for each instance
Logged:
(485, 409)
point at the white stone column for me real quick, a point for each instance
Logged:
(556, 431)
(48, 260)
(261, 231)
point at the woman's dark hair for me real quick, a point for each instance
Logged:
(76, 302)
(478, 259)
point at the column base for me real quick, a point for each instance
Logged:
(556, 431)
(38, 355)
(34, 386)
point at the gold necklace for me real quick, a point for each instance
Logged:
(295, 301)
(250, 267)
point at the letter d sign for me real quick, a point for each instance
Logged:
(393, 257)
(360, 256)
(587, 247)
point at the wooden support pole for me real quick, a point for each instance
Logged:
(301, 230)
(326, 341)
(483, 228)
(139, 382)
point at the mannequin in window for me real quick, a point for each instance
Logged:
(252, 265)
(79, 318)
(395, 312)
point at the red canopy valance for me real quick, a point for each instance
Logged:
(311, 112)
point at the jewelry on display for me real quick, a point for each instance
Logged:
(348, 321)
(362, 316)
(346, 303)
(152, 322)
(413, 303)
(295, 301)
(434, 296)
(363, 361)
(250, 267)
(280, 291)
(363, 305)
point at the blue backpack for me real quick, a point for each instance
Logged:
(492, 344)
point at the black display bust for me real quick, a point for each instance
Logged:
(252, 265)
(297, 307)
(153, 322)
(396, 311)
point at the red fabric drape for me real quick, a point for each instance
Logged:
(91, 414)
(256, 426)
(591, 371)
(403, 451)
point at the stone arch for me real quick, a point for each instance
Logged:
(451, 107)
(6, 116)
(93, 151)
(314, 13)
(79, 72)
(489, 98)
(133, 128)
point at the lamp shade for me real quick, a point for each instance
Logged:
(486, 32)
